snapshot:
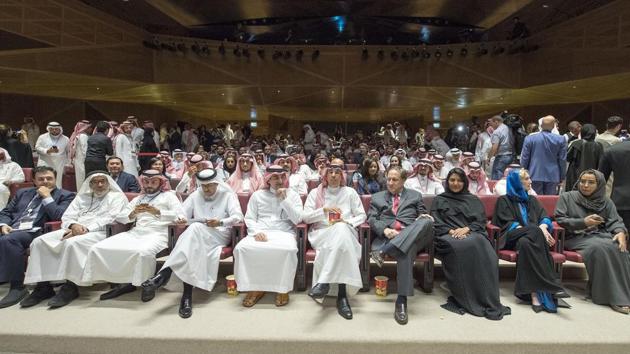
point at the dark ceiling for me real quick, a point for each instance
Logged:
(342, 22)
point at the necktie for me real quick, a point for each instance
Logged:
(395, 204)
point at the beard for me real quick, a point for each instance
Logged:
(101, 194)
(151, 190)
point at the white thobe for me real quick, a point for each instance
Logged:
(406, 165)
(500, 188)
(32, 131)
(298, 183)
(442, 173)
(196, 255)
(80, 149)
(338, 251)
(424, 185)
(137, 135)
(189, 140)
(10, 172)
(483, 146)
(125, 148)
(306, 172)
(270, 265)
(54, 259)
(184, 184)
(385, 160)
(449, 165)
(56, 160)
(129, 257)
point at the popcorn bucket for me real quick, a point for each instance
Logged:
(380, 282)
(333, 216)
(231, 285)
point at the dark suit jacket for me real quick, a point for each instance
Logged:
(381, 215)
(128, 183)
(50, 212)
(617, 159)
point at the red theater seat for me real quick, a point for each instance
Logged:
(491, 184)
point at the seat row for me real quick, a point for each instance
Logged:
(426, 257)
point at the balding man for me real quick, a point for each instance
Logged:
(544, 155)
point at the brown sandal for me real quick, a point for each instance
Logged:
(252, 298)
(282, 299)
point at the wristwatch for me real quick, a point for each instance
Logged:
(220, 222)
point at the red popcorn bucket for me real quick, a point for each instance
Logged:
(380, 282)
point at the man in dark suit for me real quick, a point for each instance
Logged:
(402, 227)
(126, 181)
(22, 221)
(616, 160)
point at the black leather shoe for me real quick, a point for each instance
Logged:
(319, 291)
(537, 308)
(343, 308)
(118, 290)
(400, 314)
(39, 294)
(150, 286)
(185, 307)
(68, 292)
(377, 256)
(13, 297)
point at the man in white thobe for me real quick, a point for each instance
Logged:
(128, 258)
(296, 180)
(423, 180)
(246, 178)
(10, 172)
(453, 159)
(188, 183)
(211, 211)
(32, 130)
(126, 149)
(438, 167)
(78, 150)
(61, 255)
(335, 211)
(51, 148)
(266, 260)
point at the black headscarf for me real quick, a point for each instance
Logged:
(457, 209)
(597, 200)
(447, 189)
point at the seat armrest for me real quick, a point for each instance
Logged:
(174, 231)
(116, 228)
(239, 230)
(365, 239)
(494, 232)
(52, 226)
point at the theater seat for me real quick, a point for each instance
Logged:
(491, 184)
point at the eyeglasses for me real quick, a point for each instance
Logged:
(586, 182)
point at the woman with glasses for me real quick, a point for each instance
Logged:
(596, 231)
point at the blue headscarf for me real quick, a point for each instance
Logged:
(515, 189)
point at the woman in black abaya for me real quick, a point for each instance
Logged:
(526, 228)
(470, 264)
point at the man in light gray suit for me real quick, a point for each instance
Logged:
(401, 226)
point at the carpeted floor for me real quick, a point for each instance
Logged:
(220, 324)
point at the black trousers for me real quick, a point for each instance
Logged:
(12, 250)
(94, 165)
